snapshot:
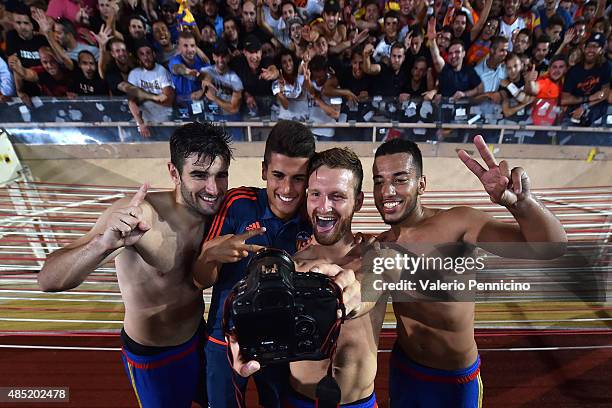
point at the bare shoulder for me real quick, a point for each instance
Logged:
(460, 215)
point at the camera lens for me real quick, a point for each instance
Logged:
(305, 326)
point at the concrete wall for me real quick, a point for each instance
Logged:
(132, 164)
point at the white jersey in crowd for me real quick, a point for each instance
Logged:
(271, 21)
(383, 49)
(152, 81)
(318, 115)
(506, 30)
(226, 83)
(298, 103)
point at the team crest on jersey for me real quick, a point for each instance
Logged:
(301, 240)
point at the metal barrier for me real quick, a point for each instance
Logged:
(108, 120)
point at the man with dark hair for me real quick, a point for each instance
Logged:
(153, 79)
(435, 361)
(62, 36)
(586, 86)
(510, 21)
(223, 88)
(540, 52)
(393, 77)
(165, 49)
(249, 219)
(334, 195)
(455, 80)
(155, 238)
(547, 90)
(382, 51)
(255, 74)
(492, 69)
(22, 47)
(87, 82)
(460, 29)
(186, 69)
(324, 109)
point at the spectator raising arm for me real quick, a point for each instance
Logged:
(437, 59)
(368, 67)
(102, 38)
(482, 20)
(46, 27)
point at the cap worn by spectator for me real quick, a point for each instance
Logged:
(252, 43)
(221, 48)
(331, 6)
(597, 38)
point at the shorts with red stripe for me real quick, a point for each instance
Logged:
(166, 377)
(297, 400)
(414, 385)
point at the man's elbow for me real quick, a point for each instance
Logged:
(46, 284)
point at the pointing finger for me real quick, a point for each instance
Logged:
(250, 233)
(140, 195)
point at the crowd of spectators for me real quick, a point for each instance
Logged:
(329, 58)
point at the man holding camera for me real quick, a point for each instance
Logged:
(334, 195)
(249, 219)
(154, 238)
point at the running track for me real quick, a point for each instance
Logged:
(554, 378)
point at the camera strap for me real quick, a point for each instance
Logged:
(328, 391)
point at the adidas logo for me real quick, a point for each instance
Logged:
(253, 226)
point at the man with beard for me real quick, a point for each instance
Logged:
(586, 85)
(334, 195)
(455, 80)
(435, 361)
(154, 238)
(153, 79)
(87, 81)
(249, 219)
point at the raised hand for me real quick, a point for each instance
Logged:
(126, 225)
(531, 75)
(41, 18)
(231, 248)
(504, 187)
(105, 34)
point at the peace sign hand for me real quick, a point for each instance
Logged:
(504, 187)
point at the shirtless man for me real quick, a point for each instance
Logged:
(334, 194)
(435, 361)
(154, 238)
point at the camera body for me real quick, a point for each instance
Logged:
(280, 315)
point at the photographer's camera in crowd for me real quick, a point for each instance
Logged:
(280, 315)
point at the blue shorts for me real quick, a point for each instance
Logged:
(414, 385)
(166, 377)
(297, 400)
(225, 388)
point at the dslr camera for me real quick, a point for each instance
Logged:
(280, 315)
